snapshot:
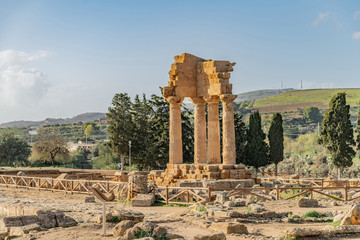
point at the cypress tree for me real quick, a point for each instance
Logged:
(337, 132)
(256, 147)
(357, 132)
(120, 125)
(240, 138)
(276, 140)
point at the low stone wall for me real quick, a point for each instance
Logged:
(179, 172)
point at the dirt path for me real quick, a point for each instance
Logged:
(170, 217)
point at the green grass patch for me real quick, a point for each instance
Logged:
(143, 234)
(114, 219)
(292, 192)
(202, 209)
(308, 214)
(335, 224)
(123, 200)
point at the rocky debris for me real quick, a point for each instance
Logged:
(220, 197)
(129, 215)
(159, 231)
(64, 221)
(121, 227)
(213, 236)
(229, 227)
(325, 232)
(89, 199)
(229, 204)
(21, 173)
(308, 202)
(63, 176)
(356, 196)
(143, 200)
(19, 225)
(352, 217)
(257, 207)
(240, 202)
(338, 217)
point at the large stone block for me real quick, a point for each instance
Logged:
(211, 236)
(122, 227)
(47, 219)
(64, 221)
(229, 227)
(143, 200)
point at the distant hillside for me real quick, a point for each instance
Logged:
(85, 117)
(255, 95)
(293, 100)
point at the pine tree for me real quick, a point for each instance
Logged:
(121, 126)
(337, 132)
(256, 147)
(357, 132)
(187, 128)
(276, 140)
(141, 140)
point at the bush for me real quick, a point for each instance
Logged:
(308, 214)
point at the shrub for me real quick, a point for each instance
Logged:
(311, 214)
(202, 209)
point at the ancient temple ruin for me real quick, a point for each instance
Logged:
(204, 81)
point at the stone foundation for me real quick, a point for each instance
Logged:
(175, 173)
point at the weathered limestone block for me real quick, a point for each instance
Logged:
(143, 200)
(213, 236)
(211, 168)
(47, 219)
(7, 222)
(229, 227)
(89, 199)
(64, 221)
(122, 227)
(352, 217)
(129, 215)
(225, 174)
(307, 202)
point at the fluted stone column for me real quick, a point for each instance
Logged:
(213, 130)
(200, 154)
(229, 151)
(175, 146)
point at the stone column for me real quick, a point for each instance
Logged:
(175, 135)
(213, 130)
(200, 154)
(229, 150)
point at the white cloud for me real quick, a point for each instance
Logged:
(356, 15)
(19, 86)
(356, 36)
(321, 17)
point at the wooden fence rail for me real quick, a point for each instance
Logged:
(65, 185)
(182, 195)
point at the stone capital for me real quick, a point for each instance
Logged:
(213, 99)
(228, 98)
(174, 99)
(198, 100)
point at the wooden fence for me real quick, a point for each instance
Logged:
(53, 184)
(178, 195)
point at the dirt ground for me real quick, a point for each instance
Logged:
(171, 217)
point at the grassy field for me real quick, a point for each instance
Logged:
(292, 100)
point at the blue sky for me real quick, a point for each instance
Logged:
(62, 58)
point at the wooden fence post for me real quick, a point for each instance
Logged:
(167, 195)
(346, 194)
(311, 193)
(209, 194)
(188, 196)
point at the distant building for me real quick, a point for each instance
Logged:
(90, 146)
